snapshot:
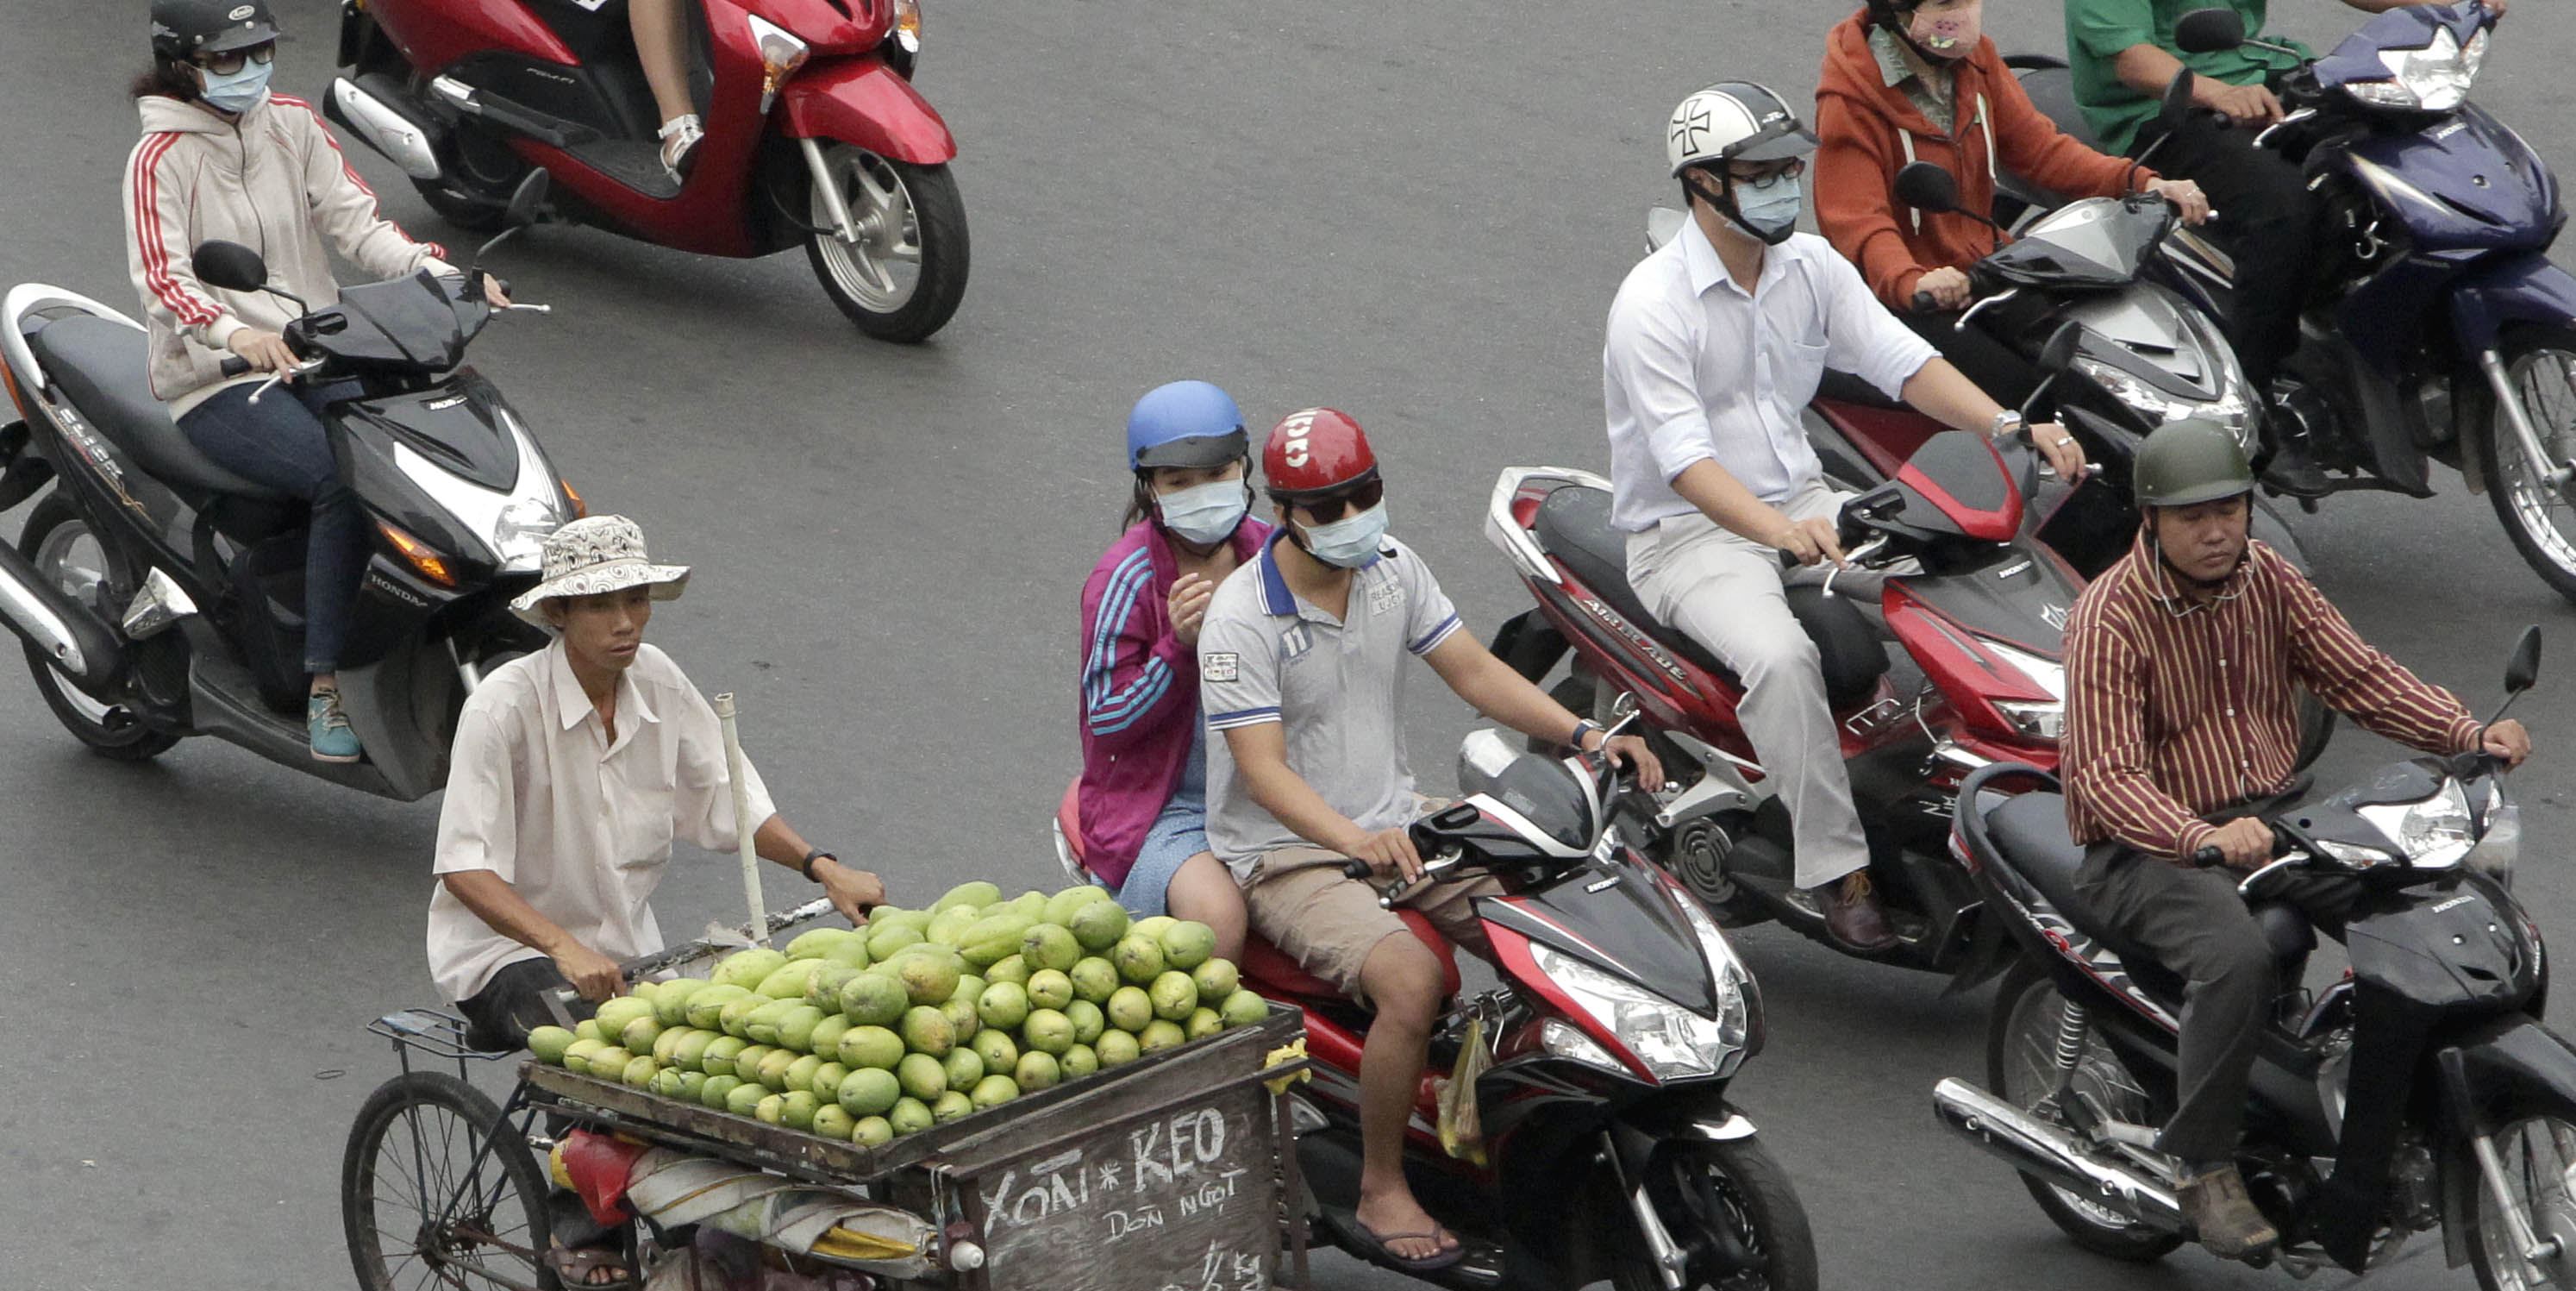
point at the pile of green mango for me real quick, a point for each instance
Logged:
(921, 1017)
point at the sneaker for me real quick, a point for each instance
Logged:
(327, 725)
(680, 136)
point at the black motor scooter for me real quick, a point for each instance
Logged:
(159, 594)
(2421, 1091)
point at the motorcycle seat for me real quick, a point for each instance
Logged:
(100, 365)
(1573, 524)
(2029, 832)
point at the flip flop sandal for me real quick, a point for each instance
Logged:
(574, 1265)
(1420, 1264)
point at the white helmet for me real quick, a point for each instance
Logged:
(1735, 121)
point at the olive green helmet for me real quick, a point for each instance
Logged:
(2188, 462)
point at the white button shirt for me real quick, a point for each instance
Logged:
(1697, 369)
(581, 825)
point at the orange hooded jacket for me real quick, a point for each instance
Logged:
(1868, 130)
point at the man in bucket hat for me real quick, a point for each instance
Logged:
(573, 770)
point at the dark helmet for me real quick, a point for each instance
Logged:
(183, 28)
(2188, 462)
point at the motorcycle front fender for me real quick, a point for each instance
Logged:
(2521, 288)
(863, 102)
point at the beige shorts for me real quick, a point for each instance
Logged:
(1300, 901)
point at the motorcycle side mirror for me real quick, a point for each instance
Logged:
(1926, 186)
(1663, 224)
(528, 200)
(2207, 31)
(2524, 671)
(2055, 357)
(228, 265)
(2176, 103)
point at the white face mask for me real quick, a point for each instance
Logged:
(1204, 514)
(236, 93)
(1350, 542)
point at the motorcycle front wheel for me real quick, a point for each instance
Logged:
(2539, 1156)
(1727, 1206)
(901, 277)
(2021, 1069)
(2540, 517)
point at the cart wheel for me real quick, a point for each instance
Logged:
(437, 1190)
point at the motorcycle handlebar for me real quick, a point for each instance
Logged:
(234, 366)
(1357, 869)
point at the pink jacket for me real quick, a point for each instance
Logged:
(1140, 693)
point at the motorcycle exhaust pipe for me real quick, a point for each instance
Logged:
(375, 109)
(2049, 1154)
(77, 642)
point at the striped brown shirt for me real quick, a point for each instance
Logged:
(2175, 709)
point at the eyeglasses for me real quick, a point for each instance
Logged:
(230, 61)
(1793, 168)
(1332, 507)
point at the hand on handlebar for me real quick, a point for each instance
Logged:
(595, 975)
(2059, 449)
(1630, 751)
(1808, 541)
(2506, 741)
(264, 351)
(1947, 287)
(2186, 196)
(2243, 844)
(1389, 851)
(2240, 104)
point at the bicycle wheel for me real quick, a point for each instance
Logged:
(437, 1191)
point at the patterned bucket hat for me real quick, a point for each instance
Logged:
(599, 554)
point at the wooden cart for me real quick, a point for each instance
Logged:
(1174, 1171)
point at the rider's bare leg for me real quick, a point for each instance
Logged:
(1403, 980)
(662, 45)
(1204, 890)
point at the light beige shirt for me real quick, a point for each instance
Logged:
(581, 825)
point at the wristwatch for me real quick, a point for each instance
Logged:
(2005, 422)
(807, 865)
(1582, 727)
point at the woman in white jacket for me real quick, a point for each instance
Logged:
(222, 157)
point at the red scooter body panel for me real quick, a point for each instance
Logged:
(864, 102)
(1885, 436)
(1970, 676)
(824, 28)
(434, 33)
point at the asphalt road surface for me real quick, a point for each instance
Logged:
(1413, 212)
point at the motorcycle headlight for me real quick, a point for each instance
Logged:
(2435, 833)
(519, 535)
(2038, 720)
(2435, 78)
(2231, 410)
(1671, 1041)
(2500, 845)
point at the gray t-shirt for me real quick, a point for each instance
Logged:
(1336, 688)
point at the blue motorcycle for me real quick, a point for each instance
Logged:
(2439, 330)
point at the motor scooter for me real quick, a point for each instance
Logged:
(2421, 1091)
(1977, 608)
(159, 595)
(814, 133)
(1610, 1148)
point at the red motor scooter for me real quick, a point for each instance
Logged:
(814, 134)
(1610, 1147)
(1977, 608)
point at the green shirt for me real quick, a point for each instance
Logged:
(2097, 30)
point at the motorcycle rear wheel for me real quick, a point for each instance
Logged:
(58, 542)
(1730, 1193)
(2021, 1070)
(911, 224)
(2540, 365)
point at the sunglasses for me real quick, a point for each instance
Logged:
(1792, 168)
(230, 61)
(1334, 506)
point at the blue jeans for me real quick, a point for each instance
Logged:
(279, 442)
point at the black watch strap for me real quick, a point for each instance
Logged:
(807, 865)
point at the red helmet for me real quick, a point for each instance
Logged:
(1315, 452)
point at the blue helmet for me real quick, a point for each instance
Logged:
(1185, 423)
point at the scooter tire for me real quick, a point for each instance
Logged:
(939, 224)
(135, 743)
(2547, 545)
(1754, 1192)
(2132, 1244)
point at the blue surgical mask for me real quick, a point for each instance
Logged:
(239, 92)
(1204, 514)
(1769, 209)
(1351, 542)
